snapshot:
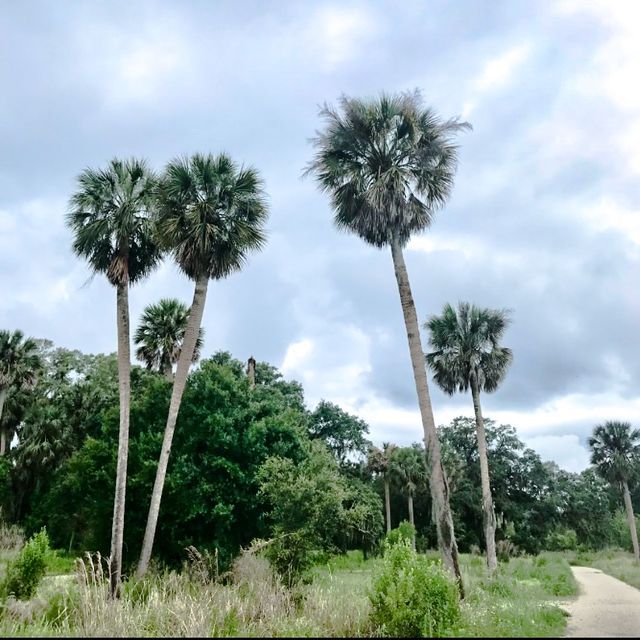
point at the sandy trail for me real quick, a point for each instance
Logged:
(605, 608)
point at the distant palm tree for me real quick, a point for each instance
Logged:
(19, 366)
(467, 355)
(408, 466)
(388, 164)
(615, 452)
(212, 215)
(160, 334)
(379, 461)
(111, 218)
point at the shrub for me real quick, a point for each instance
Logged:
(405, 532)
(292, 555)
(505, 549)
(412, 596)
(562, 540)
(27, 569)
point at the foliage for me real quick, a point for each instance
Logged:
(466, 348)
(615, 451)
(343, 433)
(111, 217)
(387, 165)
(160, 333)
(26, 570)
(211, 214)
(405, 532)
(561, 539)
(413, 596)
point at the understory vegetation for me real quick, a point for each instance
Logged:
(345, 596)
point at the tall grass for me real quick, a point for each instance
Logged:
(251, 601)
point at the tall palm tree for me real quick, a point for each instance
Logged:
(387, 165)
(19, 366)
(615, 452)
(379, 461)
(111, 216)
(212, 215)
(408, 467)
(467, 355)
(160, 334)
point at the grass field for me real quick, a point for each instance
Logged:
(518, 601)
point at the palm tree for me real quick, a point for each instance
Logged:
(467, 355)
(379, 461)
(211, 216)
(388, 164)
(111, 218)
(615, 451)
(19, 366)
(160, 334)
(408, 467)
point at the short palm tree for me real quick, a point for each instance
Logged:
(615, 452)
(160, 334)
(111, 217)
(408, 467)
(467, 355)
(387, 165)
(212, 215)
(19, 366)
(379, 461)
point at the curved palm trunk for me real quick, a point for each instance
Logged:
(632, 520)
(3, 433)
(180, 381)
(487, 501)
(438, 481)
(387, 502)
(124, 387)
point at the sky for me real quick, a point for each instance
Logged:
(544, 218)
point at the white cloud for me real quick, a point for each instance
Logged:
(499, 71)
(565, 450)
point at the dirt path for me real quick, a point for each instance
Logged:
(605, 608)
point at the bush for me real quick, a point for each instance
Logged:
(405, 532)
(562, 540)
(412, 596)
(27, 569)
(505, 550)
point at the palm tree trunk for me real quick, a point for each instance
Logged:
(410, 506)
(184, 362)
(387, 502)
(438, 481)
(411, 520)
(124, 386)
(487, 501)
(632, 520)
(168, 372)
(3, 433)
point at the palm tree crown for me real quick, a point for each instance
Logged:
(161, 332)
(387, 165)
(466, 347)
(111, 217)
(212, 214)
(409, 468)
(19, 360)
(615, 451)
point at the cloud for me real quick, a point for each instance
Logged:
(498, 71)
(542, 219)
